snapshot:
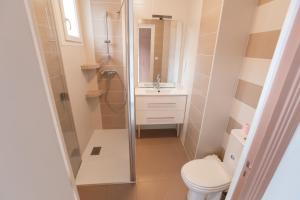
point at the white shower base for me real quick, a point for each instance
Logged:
(112, 165)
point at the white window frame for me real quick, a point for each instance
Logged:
(69, 38)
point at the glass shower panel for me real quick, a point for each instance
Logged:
(45, 26)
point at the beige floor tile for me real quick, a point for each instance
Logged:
(168, 189)
(158, 165)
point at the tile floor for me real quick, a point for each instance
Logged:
(158, 164)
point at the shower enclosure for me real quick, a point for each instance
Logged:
(109, 156)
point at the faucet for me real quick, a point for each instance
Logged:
(157, 83)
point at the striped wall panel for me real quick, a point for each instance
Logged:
(248, 93)
(268, 20)
(211, 12)
(262, 45)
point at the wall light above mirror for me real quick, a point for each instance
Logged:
(159, 44)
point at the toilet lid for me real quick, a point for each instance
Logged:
(206, 173)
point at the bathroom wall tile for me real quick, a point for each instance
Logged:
(211, 4)
(262, 45)
(53, 62)
(248, 93)
(115, 84)
(188, 146)
(198, 101)
(110, 119)
(114, 97)
(114, 28)
(192, 140)
(255, 70)
(266, 19)
(210, 19)
(261, 2)
(195, 117)
(113, 121)
(242, 112)
(99, 9)
(57, 87)
(107, 111)
(206, 44)
(232, 124)
(200, 85)
(204, 64)
(116, 58)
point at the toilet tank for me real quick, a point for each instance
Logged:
(234, 149)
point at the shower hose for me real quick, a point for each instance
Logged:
(114, 108)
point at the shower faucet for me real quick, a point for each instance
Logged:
(108, 72)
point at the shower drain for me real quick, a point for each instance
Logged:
(96, 151)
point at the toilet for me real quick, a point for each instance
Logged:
(207, 178)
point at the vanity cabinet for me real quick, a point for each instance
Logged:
(160, 109)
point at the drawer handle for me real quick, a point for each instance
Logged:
(160, 118)
(161, 104)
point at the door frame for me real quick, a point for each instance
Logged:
(276, 118)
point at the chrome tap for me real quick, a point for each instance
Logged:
(157, 83)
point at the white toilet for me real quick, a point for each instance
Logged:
(207, 178)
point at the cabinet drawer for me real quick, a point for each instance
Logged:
(160, 102)
(160, 117)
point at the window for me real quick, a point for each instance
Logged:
(70, 20)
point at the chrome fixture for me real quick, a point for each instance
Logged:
(162, 17)
(107, 41)
(129, 37)
(157, 83)
(108, 72)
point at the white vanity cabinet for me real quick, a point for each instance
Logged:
(160, 108)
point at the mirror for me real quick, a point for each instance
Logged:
(158, 52)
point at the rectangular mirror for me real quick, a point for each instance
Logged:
(159, 44)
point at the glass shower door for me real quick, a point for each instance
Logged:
(45, 26)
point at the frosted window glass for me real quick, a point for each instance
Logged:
(71, 19)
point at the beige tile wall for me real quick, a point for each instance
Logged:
(262, 45)
(44, 22)
(263, 38)
(110, 119)
(210, 18)
(260, 2)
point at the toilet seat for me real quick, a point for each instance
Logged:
(206, 175)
